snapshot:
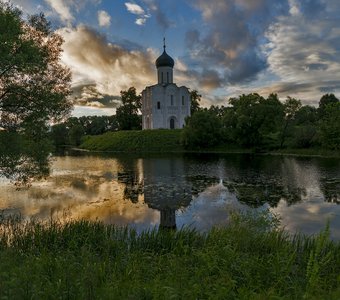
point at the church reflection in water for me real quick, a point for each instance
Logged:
(162, 189)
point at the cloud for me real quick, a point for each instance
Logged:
(107, 67)
(62, 9)
(161, 18)
(305, 55)
(134, 8)
(88, 95)
(140, 21)
(231, 43)
(139, 11)
(25, 6)
(104, 19)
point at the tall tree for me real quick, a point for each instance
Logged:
(330, 126)
(243, 120)
(203, 130)
(324, 101)
(195, 99)
(291, 107)
(34, 85)
(128, 114)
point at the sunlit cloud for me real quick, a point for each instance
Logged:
(108, 67)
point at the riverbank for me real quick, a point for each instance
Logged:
(249, 259)
(167, 141)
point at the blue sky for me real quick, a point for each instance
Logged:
(222, 48)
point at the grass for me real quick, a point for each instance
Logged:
(167, 141)
(135, 141)
(249, 259)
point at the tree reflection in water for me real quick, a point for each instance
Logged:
(171, 184)
(22, 160)
(192, 188)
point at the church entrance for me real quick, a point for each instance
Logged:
(172, 123)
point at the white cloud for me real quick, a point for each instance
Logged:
(140, 21)
(139, 11)
(134, 8)
(104, 19)
(62, 9)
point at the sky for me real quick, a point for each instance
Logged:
(222, 48)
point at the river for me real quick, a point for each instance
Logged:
(199, 191)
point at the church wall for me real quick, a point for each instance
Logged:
(171, 99)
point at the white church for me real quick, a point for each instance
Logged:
(165, 105)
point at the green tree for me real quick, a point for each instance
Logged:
(324, 101)
(203, 130)
(305, 127)
(59, 134)
(34, 85)
(195, 99)
(242, 121)
(128, 114)
(291, 107)
(75, 134)
(330, 126)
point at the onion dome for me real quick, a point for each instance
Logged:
(164, 60)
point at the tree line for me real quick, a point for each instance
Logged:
(265, 123)
(127, 117)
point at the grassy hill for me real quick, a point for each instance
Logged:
(135, 141)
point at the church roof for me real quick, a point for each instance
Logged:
(165, 60)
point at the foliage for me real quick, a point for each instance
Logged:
(22, 160)
(75, 135)
(251, 118)
(291, 108)
(324, 101)
(249, 259)
(34, 85)
(127, 114)
(195, 99)
(202, 130)
(73, 129)
(330, 126)
(160, 140)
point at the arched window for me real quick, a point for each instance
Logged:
(167, 77)
(172, 100)
(158, 105)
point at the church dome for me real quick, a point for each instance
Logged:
(165, 60)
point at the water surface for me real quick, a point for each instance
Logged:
(183, 190)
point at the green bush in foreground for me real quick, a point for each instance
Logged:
(85, 260)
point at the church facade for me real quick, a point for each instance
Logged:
(165, 105)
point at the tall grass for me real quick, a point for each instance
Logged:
(249, 259)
